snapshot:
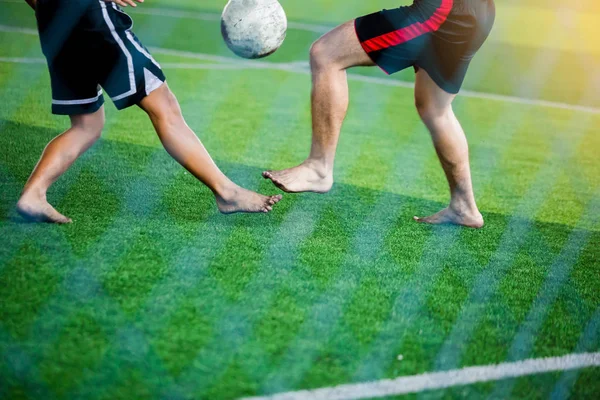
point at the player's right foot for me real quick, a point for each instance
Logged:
(240, 200)
(306, 177)
(453, 216)
(35, 209)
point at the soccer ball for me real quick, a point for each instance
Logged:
(253, 28)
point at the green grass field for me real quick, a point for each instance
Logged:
(153, 294)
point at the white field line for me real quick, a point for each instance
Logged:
(301, 67)
(18, 29)
(442, 380)
(20, 60)
(164, 12)
(208, 16)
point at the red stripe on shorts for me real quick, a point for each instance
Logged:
(412, 31)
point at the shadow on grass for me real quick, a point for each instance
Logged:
(118, 187)
(121, 180)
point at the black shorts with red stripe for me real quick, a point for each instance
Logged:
(440, 36)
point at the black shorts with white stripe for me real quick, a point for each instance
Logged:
(89, 46)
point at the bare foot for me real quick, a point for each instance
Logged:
(35, 209)
(240, 200)
(306, 177)
(471, 219)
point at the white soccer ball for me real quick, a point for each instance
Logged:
(253, 28)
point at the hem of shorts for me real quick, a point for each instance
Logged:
(130, 101)
(365, 50)
(78, 109)
(440, 82)
(135, 99)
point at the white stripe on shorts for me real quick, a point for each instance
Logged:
(77, 102)
(132, 84)
(140, 48)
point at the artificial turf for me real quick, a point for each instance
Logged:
(152, 294)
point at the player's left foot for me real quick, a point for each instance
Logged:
(468, 218)
(240, 200)
(36, 209)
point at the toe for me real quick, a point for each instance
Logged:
(274, 200)
(424, 220)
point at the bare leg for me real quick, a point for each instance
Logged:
(185, 147)
(330, 56)
(435, 108)
(58, 156)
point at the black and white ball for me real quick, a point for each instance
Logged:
(253, 28)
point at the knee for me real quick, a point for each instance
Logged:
(91, 124)
(171, 105)
(428, 110)
(164, 107)
(320, 56)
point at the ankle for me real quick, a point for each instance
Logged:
(320, 166)
(33, 192)
(463, 207)
(226, 191)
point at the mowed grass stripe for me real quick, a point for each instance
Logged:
(487, 282)
(589, 340)
(408, 306)
(235, 319)
(78, 289)
(430, 264)
(18, 365)
(444, 360)
(556, 278)
(309, 263)
(453, 342)
(409, 302)
(532, 264)
(95, 306)
(257, 285)
(508, 305)
(328, 309)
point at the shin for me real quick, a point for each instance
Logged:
(435, 109)
(57, 157)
